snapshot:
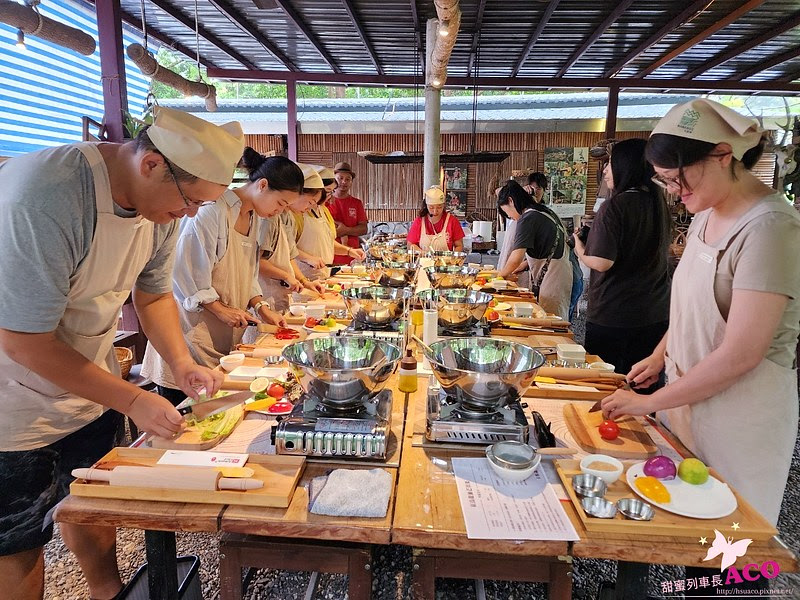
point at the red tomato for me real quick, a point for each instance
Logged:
(493, 315)
(609, 430)
(276, 390)
(311, 322)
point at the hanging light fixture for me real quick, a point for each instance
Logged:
(21, 40)
(27, 19)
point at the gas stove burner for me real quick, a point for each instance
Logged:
(317, 428)
(358, 326)
(477, 330)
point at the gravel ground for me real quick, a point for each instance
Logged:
(392, 566)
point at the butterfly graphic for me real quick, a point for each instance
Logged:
(729, 549)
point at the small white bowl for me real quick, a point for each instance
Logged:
(512, 461)
(231, 361)
(609, 476)
(298, 310)
(315, 310)
(522, 309)
(603, 367)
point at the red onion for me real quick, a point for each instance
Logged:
(660, 467)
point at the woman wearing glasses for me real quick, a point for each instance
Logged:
(626, 250)
(215, 278)
(729, 352)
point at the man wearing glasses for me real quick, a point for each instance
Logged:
(82, 227)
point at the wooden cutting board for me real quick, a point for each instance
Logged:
(190, 439)
(752, 524)
(632, 443)
(280, 475)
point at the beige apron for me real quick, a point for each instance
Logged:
(316, 240)
(746, 432)
(556, 289)
(281, 258)
(207, 337)
(437, 241)
(36, 411)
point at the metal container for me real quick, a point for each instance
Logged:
(446, 258)
(452, 276)
(458, 309)
(599, 507)
(375, 305)
(375, 250)
(633, 508)
(393, 253)
(589, 486)
(341, 370)
(395, 274)
(485, 372)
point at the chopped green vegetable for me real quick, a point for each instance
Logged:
(260, 396)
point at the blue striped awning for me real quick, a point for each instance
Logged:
(45, 89)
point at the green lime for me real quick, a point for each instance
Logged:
(693, 470)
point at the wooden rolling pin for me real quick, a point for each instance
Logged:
(172, 478)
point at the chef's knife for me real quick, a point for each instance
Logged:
(596, 406)
(207, 407)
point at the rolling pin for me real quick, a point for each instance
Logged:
(174, 478)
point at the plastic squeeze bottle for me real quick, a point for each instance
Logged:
(407, 373)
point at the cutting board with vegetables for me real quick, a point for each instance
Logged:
(205, 434)
(633, 442)
(279, 474)
(752, 524)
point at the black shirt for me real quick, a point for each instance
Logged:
(633, 230)
(537, 230)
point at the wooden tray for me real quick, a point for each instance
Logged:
(752, 524)
(632, 443)
(279, 474)
(190, 439)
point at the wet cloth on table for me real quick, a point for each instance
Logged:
(351, 493)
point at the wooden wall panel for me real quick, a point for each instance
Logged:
(265, 143)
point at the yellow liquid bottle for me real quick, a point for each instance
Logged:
(407, 380)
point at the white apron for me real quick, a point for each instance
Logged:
(437, 241)
(207, 337)
(281, 258)
(316, 240)
(36, 411)
(556, 289)
(748, 431)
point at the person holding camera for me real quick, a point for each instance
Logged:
(626, 249)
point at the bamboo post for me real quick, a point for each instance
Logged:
(148, 66)
(32, 23)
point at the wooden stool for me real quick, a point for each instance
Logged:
(428, 564)
(238, 551)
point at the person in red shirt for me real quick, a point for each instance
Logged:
(347, 211)
(435, 228)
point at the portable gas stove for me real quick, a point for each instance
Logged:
(389, 333)
(319, 428)
(454, 418)
(480, 329)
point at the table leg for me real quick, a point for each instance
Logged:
(423, 577)
(162, 566)
(359, 576)
(559, 587)
(231, 585)
(632, 579)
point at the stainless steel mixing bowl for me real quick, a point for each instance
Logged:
(375, 250)
(484, 371)
(395, 274)
(340, 370)
(446, 258)
(453, 276)
(375, 305)
(458, 309)
(398, 254)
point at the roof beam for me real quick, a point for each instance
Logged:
(763, 66)
(668, 27)
(738, 49)
(702, 36)
(204, 33)
(348, 5)
(476, 36)
(510, 82)
(601, 29)
(417, 30)
(298, 21)
(238, 19)
(548, 13)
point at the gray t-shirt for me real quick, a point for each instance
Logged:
(47, 221)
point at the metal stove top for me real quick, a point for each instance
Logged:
(450, 419)
(477, 330)
(392, 333)
(315, 428)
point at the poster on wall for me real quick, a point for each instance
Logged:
(456, 176)
(456, 202)
(566, 170)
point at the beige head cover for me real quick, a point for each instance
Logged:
(207, 151)
(325, 172)
(312, 179)
(709, 121)
(434, 196)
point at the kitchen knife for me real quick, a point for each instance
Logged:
(211, 406)
(596, 406)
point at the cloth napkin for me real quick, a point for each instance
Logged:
(352, 493)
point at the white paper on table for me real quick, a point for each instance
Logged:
(198, 458)
(504, 510)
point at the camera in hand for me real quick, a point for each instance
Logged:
(583, 233)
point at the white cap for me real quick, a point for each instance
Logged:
(312, 179)
(434, 195)
(207, 151)
(708, 121)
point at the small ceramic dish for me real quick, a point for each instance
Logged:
(297, 310)
(635, 509)
(231, 361)
(512, 461)
(599, 507)
(589, 486)
(603, 367)
(522, 309)
(609, 468)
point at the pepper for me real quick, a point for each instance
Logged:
(653, 489)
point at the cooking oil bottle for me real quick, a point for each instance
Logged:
(407, 373)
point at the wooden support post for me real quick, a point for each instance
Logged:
(611, 112)
(112, 67)
(162, 564)
(291, 117)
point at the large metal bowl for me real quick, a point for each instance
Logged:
(483, 371)
(453, 276)
(342, 369)
(397, 254)
(376, 305)
(395, 274)
(446, 258)
(375, 250)
(457, 309)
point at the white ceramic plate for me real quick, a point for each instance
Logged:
(335, 328)
(501, 306)
(710, 500)
(246, 373)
